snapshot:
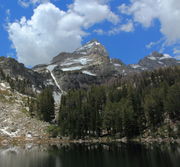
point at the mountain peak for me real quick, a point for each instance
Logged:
(94, 41)
(92, 47)
(156, 60)
(158, 56)
(89, 45)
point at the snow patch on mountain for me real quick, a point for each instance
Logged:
(72, 68)
(161, 57)
(117, 65)
(166, 56)
(57, 95)
(160, 62)
(81, 60)
(88, 73)
(152, 58)
(51, 67)
(88, 46)
(135, 66)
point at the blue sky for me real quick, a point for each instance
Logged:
(34, 31)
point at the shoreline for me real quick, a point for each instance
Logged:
(4, 141)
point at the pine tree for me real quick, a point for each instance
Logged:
(45, 105)
(172, 102)
(153, 107)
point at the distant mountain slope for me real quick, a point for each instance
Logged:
(16, 72)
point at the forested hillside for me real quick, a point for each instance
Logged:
(141, 104)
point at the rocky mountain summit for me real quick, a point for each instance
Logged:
(91, 59)
(155, 61)
(87, 54)
(86, 66)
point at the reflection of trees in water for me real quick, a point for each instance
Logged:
(113, 155)
(92, 155)
(20, 157)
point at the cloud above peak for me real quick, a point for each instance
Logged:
(51, 30)
(166, 11)
(94, 11)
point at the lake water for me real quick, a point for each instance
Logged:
(91, 155)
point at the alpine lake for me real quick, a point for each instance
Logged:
(91, 155)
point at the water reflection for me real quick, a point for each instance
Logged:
(91, 155)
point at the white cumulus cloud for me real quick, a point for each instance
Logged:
(166, 11)
(51, 30)
(93, 11)
(127, 27)
(99, 31)
(27, 3)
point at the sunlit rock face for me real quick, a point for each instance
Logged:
(87, 65)
(157, 60)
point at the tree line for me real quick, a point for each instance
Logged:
(42, 106)
(127, 106)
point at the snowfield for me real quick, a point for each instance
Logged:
(152, 58)
(166, 56)
(135, 66)
(81, 60)
(72, 68)
(57, 95)
(88, 73)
